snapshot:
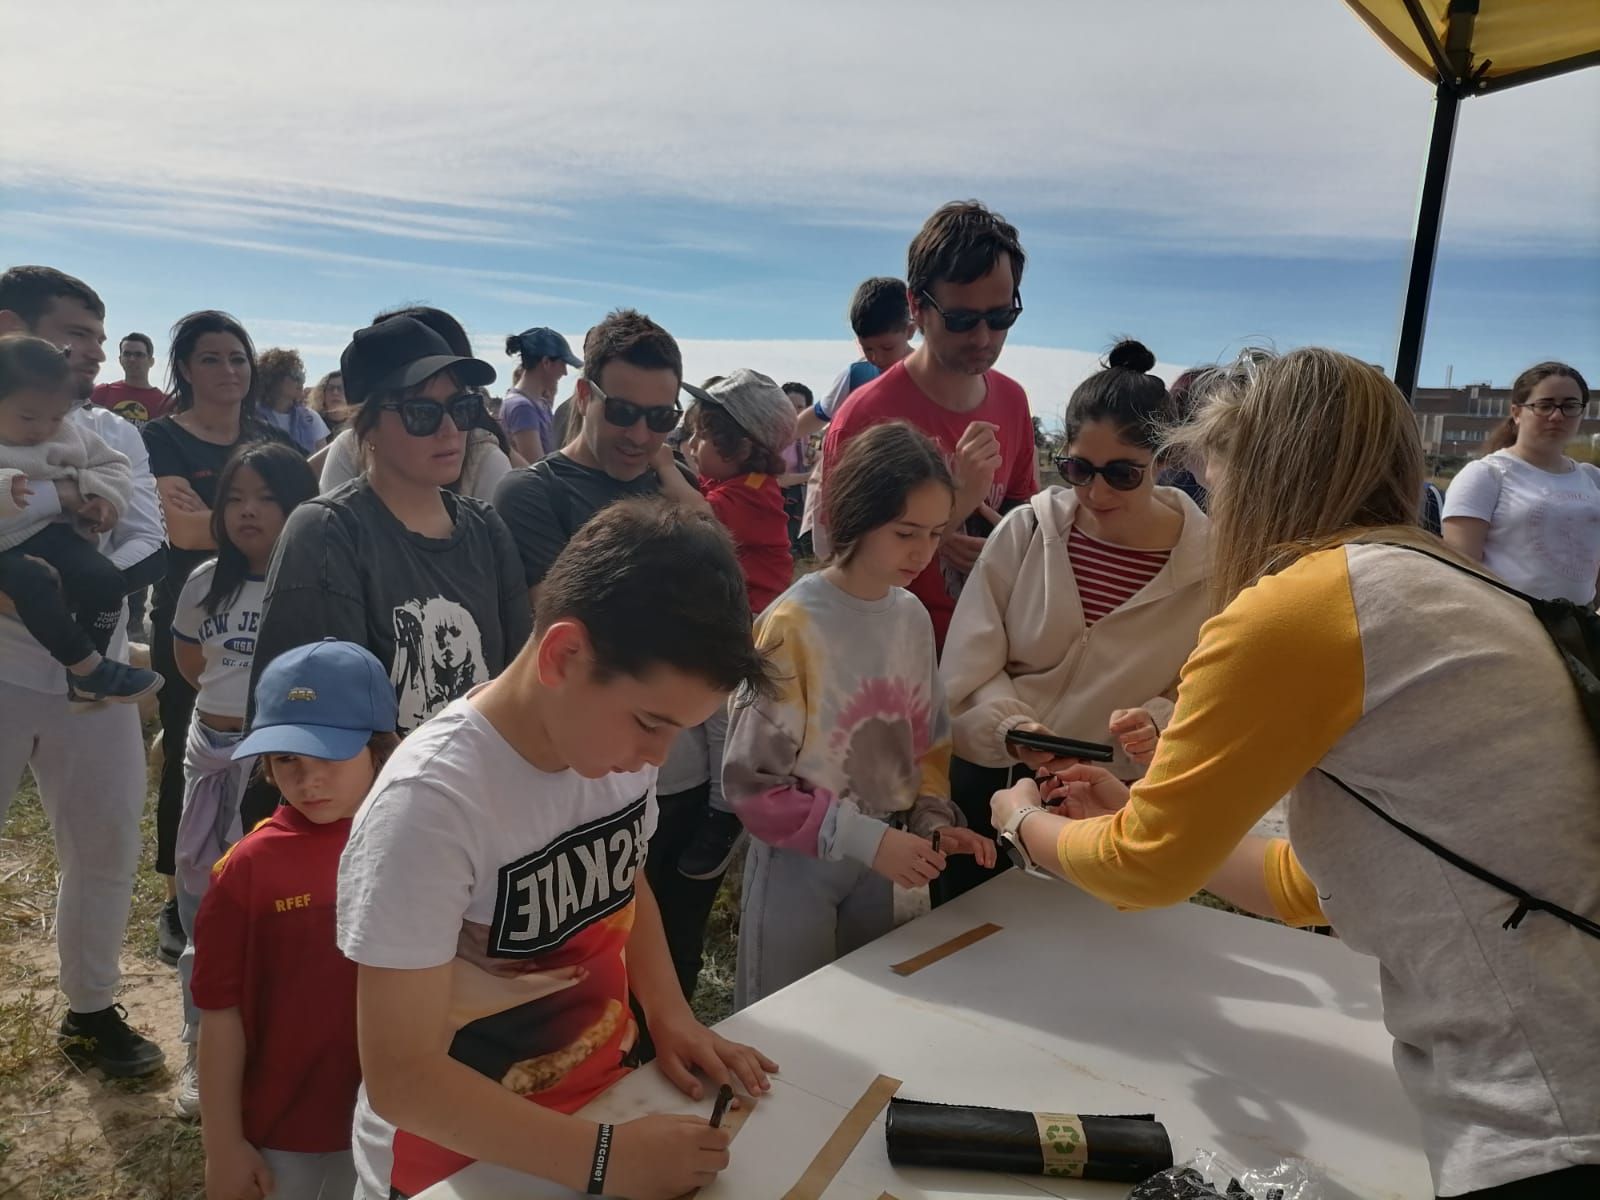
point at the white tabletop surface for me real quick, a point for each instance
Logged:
(1240, 1036)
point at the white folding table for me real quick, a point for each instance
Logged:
(1240, 1036)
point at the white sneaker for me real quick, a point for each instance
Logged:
(186, 1103)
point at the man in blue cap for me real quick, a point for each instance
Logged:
(528, 414)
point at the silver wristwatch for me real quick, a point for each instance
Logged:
(1016, 849)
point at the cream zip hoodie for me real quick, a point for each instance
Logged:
(1019, 650)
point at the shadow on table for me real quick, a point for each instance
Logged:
(1172, 1002)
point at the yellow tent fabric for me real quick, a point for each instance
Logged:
(1519, 40)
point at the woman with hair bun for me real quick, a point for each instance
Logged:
(1084, 603)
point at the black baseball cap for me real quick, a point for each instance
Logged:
(542, 342)
(401, 352)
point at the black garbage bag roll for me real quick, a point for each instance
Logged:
(1124, 1149)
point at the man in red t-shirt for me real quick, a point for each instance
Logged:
(133, 398)
(963, 275)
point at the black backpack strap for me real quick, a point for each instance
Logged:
(1526, 901)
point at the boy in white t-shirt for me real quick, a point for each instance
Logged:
(491, 892)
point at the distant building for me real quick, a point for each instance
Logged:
(1456, 422)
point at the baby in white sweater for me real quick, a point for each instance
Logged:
(67, 595)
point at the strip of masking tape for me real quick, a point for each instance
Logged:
(733, 1121)
(843, 1141)
(945, 949)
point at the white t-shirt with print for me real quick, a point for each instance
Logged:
(227, 639)
(1544, 526)
(465, 853)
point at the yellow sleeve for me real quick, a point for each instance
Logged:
(1293, 894)
(1276, 680)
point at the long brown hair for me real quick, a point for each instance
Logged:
(1506, 435)
(1308, 450)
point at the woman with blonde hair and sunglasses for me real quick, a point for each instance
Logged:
(1083, 604)
(1380, 688)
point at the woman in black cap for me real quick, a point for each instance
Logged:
(426, 579)
(527, 413)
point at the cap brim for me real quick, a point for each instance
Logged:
(571, 359)
(473, 372)
(309, 741)
(699, 393)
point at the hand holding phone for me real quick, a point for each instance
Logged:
(1043, 750)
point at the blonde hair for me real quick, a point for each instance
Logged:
(1315, 449)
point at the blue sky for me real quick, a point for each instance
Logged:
(1197, 176)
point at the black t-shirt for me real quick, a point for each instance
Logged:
(175, 451)
(441, 614)
(545, 504)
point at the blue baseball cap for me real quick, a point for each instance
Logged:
(324, 700)
(543, 342)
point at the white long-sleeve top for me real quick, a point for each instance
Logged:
(77, 453)
(140, 533)
(1020, 651)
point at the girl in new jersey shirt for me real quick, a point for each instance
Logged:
(279, 1068)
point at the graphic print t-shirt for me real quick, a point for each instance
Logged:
(227, 639)
(442, 614)
(522, 880)
(895, 396)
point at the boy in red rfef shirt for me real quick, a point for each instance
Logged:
(279, 1068)
(739, 429)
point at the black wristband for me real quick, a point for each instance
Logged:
(602, 1156)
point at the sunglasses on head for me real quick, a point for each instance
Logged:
(625, 413)
(422, 418)
(1122, 475)
(964, 320)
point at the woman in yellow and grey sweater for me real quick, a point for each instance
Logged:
(1439, 699)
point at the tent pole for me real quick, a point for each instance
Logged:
(1425, 244)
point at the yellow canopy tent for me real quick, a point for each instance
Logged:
(1469, 48)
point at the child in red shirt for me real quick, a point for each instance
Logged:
(279, 1069)
(739, 430)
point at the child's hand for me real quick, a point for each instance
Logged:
(906, 859)
(236, 1172)
(1136, 730)
(97, 514)
(955, 840)
(20, 490)
(683, 1045)
(665, 1155)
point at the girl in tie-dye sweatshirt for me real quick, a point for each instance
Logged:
(843, 780)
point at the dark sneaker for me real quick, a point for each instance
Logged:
(712, 849)
(112, 681)
(102, 1039)
(170, 939)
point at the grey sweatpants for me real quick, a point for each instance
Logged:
(91, 774)
(310, 1176)
(799, 914)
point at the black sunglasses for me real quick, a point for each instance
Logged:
(965, 320)
(625, 413)
(422, 418)
(1122, 475)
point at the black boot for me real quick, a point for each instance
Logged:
(103, 1039)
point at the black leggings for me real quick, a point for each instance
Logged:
(1575, 1183)
(176, 702)
(971, 786)
(73, 610)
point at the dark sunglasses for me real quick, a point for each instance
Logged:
(965, 320)
(422, 418)
(1080, 472)
(625, 413)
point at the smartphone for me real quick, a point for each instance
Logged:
(1096, 752)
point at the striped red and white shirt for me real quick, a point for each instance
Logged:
(1109, 575)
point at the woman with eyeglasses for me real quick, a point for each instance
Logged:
(282, 378)
(1083, 604)
(426, 579)
(1525, 510)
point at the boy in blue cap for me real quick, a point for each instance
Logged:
(279, 1069)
